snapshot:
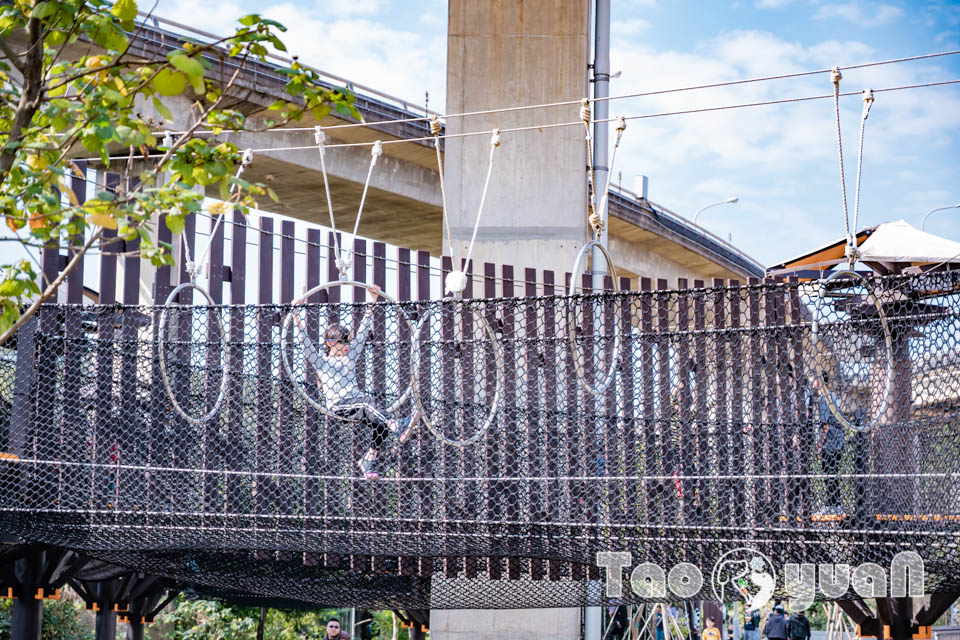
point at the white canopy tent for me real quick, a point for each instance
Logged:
(887, 248)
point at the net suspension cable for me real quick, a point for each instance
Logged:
(456, 283)
(457, 279)
(852, 254)
(376, 150)
(433, 116)
(595, 218)
(193, 269)
(343, 264)
(577, 123)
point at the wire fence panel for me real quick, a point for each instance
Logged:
(811, 422)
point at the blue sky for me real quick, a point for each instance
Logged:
(781, 160)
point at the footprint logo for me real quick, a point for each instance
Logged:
(744, 574)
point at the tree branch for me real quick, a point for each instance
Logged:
(11, 55)
(51, 288)
(29, 99)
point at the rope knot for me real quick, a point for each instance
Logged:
(585, 111)
(852, 253)
(495, 138)
(167, 139)
(595, 220)
(456, 282)
(246, 159)
(836, 76)
(343, 266)
(435, 125)
(867, 102)
(621, 124)
(191, 269)
(376, 151)
(319, 136)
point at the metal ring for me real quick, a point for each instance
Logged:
(162, 330)
(571, 321)
(498, 390)
(285, 332)
(832, 403)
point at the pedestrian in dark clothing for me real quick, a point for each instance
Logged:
(831, 441)
(799, 627)
(776, 627)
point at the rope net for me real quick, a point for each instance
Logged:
(726, 422)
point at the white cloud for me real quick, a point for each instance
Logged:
(353, 45)
(632, 27)
(781, 160)
(772, 4)
(860, 14)
(352, 7)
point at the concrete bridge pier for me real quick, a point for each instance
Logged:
(504, 54)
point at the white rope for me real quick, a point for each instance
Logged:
(375, 152)
(539, 127)
(435, 130)
(563, 103)
(604, 200)
(457, 279)
(835, 77)
(586, 117)
(321, 140)
(867, 103)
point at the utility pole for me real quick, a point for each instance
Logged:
(601, 107)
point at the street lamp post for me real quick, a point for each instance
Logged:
(927, 214)
(732, 200)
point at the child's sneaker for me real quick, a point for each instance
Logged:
(368, 465)
(405, 426)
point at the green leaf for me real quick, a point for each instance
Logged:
(169, 83)
(44, 9)
(190, 66)
(249, 20)
(176, 223)
(11, 288)
(113, 96)
(224, 190)
(162, 109)
(125, 10)
(273, 195)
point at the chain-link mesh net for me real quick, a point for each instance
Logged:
(708, 428)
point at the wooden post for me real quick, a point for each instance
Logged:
(651, 457)
(510, 493)
(689, 433)
(406, 498)
(721, 356)
(314, 421)
(264, 452)
(734, 498)
(426, 446)
(493, 448)
(239, 489)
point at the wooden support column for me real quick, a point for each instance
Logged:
(26, 620)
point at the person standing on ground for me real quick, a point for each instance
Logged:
(751, 626)
(776, 627)
(799, 627)
(710, 631)
(831, 441)
(334, 632)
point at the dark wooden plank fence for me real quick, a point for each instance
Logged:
(635, 433)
